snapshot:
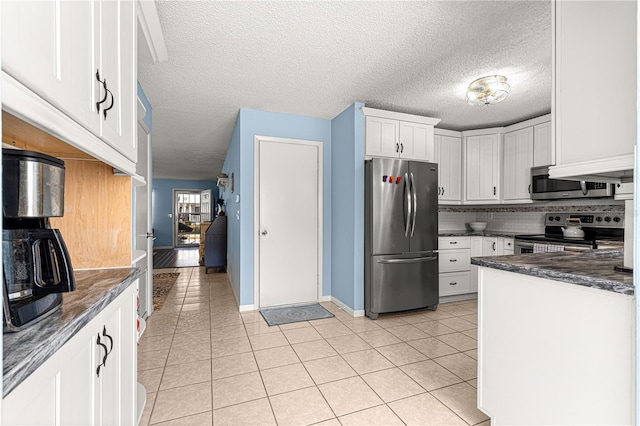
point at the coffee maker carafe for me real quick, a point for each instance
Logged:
(36, 263)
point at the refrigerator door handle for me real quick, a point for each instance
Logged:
(411, 260)
(407, 190)
(415, 204)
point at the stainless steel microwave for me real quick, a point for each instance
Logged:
(545, 188)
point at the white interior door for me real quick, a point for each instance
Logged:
(289, 221)
(143, 223)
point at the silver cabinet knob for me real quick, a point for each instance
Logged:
(264, 232)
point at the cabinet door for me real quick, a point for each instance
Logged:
(449, 154)
(118, 377)
(416, 141)
(595, 42)
(381, 137)
(476, 246)
(483, 167)
(543, 151)
(56, 61)
(118, 66)
(518, 159)
(489, 246)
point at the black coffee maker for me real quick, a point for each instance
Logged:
(36, 264)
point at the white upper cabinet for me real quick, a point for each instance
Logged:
(544, 153)
(118, 67)
(382, 137)
(448, 155)
(56, 60)
(482, 159)
(76, 47)
(398, 135)
(595, 88)
(518, 159)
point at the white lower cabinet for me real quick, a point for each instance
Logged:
(454, 262)
(79, 385)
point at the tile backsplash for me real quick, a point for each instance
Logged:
(520, 219)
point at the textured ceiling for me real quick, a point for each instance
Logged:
(315, 58)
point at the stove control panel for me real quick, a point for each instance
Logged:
(588, 219)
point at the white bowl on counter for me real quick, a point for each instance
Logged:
(478, 226)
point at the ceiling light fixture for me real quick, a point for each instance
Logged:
(488, 90)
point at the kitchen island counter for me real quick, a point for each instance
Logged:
(26, 350)
(589, 269)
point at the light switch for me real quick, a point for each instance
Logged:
(237, 214)
(170, 215)
(237, 198)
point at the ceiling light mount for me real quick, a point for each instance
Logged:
(488, 90)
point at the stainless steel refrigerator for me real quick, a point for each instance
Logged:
(401, 236)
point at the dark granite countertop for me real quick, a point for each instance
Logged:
(588, 269)
(478, 234)
(26, 350)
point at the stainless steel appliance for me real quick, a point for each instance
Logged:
(545, 188)
(36, 263)
(401, 236)
(600, 228)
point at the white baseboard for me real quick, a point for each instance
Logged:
(325, 298)
(347, 309)
(458, 297)
(247, 308)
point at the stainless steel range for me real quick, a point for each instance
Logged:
(600, 228)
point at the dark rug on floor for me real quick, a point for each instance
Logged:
(176, 258)
(278, 316)
(162, 284)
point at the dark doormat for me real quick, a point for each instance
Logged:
(176, 258)
(162, 284)
(278, 316)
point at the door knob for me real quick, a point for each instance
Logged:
(264, 232)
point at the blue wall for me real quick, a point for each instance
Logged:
(250, 123)
(162, 205)
(232, 165)
(347, 190)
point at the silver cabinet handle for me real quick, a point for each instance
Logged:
(397, 147)
(493, 246)
(453, 242)
(453, 260)
(401, 147)
(264, 232)
(583, 187)
(453, 283)
(407, 189)
(411, 260)
(443, 190)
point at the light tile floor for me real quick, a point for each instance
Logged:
(204, 363)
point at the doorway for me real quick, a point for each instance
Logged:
(186, 207)
(287, 221)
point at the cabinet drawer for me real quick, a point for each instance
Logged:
(454, 260)
(507, 245)
(454, 283)
(446, 243)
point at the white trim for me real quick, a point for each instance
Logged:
(444, 132)
(392, 115)
(458, 298)
(256, 210)
(482, 132)
(18, 100)
(138, 255)
(325, 299)
(142, 113)
(610, 169)
(347, 309)
(528, 123)
(152, 30)
(246, 308)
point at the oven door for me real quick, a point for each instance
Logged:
(525, 247)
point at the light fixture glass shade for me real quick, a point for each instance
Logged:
(488, 90)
